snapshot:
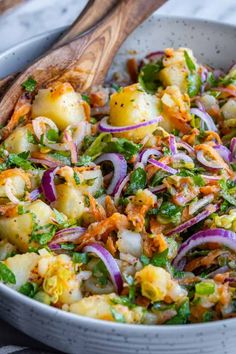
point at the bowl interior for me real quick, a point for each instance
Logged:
(212, 43)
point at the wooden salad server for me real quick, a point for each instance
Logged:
(93, 12)
(85, 61)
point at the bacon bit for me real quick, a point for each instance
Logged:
(210, 151)
(205, 261)
(110, 206)
(132, 67)
(142, 301)
(96, 209)
(22, 109)
(96, 230)
(15, 172)
(111, 245)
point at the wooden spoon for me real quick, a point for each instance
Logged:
(86, 60)
(93, 12)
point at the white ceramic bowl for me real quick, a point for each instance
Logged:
(212, 43)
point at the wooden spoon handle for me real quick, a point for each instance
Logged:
(93, 12)
(96, 52)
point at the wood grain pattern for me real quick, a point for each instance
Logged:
(8, 4)
(84, 62)
(94, 11)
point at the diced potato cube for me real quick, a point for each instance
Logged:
(70, 201)
(19, 142)
(61, 104)
(17, 229)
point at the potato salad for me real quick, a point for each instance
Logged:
(119, 203)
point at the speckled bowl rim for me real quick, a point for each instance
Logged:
(104, 324)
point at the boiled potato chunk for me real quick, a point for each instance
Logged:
(17, 229)
(229, 109)
(101, 306)
(133, 106)
(61, 104)
(19, 142)
(175, 71)
(70, 201)
(17, 186)
(22, 265)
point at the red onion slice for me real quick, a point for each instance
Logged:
(35, 194)
(211, 178)
(233, 148)
(196, 219)
(172, 144)
(109, 262)
(221, 236)
(72, 147)
(154, 56)
(228, 90)
(107, 128)
(181, 156)
(120, 169)
(67, 235)
(163, 166)
(195, 206)
(205, 117)
(48, 186)
(211, 164)
(45, 162)
(146, 153)
(186, 146)
(157, 189)
(120, 188)
(224, 152)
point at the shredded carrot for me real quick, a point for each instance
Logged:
(22, 110)
(87, 110)
(96, 209)
(210, 151)
(15, 172)
(9, 210)
(209, 189)
(110, 206)
(96, 230)
(205, 261)
(212, 136)
(110, 244)
(190, 138)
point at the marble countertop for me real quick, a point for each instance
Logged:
(37, 16)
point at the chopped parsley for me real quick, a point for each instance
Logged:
(148, 77)
(138, 180)
(29, 85)
(6, 275)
